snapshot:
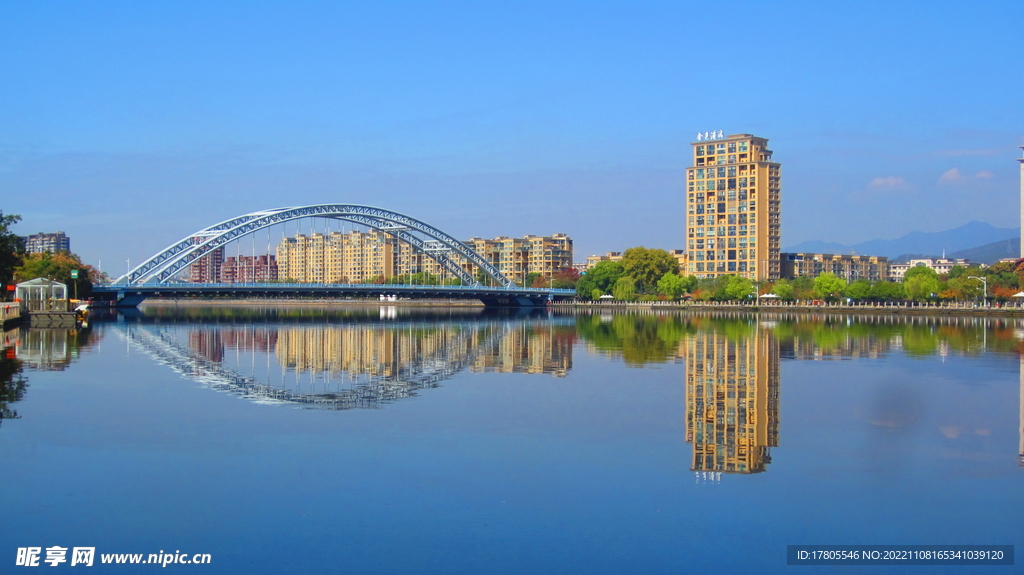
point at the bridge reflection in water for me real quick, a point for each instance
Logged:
(360, 365)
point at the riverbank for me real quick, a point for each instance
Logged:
(909, 310)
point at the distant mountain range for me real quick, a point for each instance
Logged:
(968, 238)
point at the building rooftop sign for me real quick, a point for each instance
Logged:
(712, 135)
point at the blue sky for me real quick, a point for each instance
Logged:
(129, 125)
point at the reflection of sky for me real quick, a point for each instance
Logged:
(511, 473)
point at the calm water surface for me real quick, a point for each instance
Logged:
(395, 440)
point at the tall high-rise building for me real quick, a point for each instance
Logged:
(42, 242)
(733, 208)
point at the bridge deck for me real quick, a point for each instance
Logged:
(130, 295)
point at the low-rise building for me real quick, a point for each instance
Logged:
(359, 257)
(847, 267)
(249, 269)
(940, 265)
(679, 255)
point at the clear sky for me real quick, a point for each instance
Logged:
(129, 125)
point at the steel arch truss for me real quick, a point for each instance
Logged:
(431, 241)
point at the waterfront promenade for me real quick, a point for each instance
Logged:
(897, 308)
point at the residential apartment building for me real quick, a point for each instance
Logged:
(940, 265)
(359, 257)
(607, 257)
(733, 208)
(850, 268)
(249, 269)
(353, 257)
(207, 268)
(43, 242)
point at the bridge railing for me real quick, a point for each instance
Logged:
(367, 287)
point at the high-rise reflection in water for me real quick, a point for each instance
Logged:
(732, 399)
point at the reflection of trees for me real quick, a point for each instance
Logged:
(650, 338)
(12, 385)
(639, 339)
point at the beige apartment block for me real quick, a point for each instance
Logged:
(733, 208)
(850, 268)
(360, 257)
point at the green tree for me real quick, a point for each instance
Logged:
(531, 279)
(624, 289)
(605, 274)
(689, 283)
(829, 285)
(922, 270)
(12, 248)
(739, 288)
(803, 287)
(58, 267)
(784, 289)
(672, 285)
(647, 266)
(920, 282)
(585, 286)
(921, 286)
(956, 271)
(596, 294)
(887, 291)
(859, 290)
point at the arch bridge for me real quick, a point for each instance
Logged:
(155, 276)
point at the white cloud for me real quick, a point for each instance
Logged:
(984, 175)
(887, 183)
(951, 175)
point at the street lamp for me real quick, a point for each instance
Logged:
(983, 281)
